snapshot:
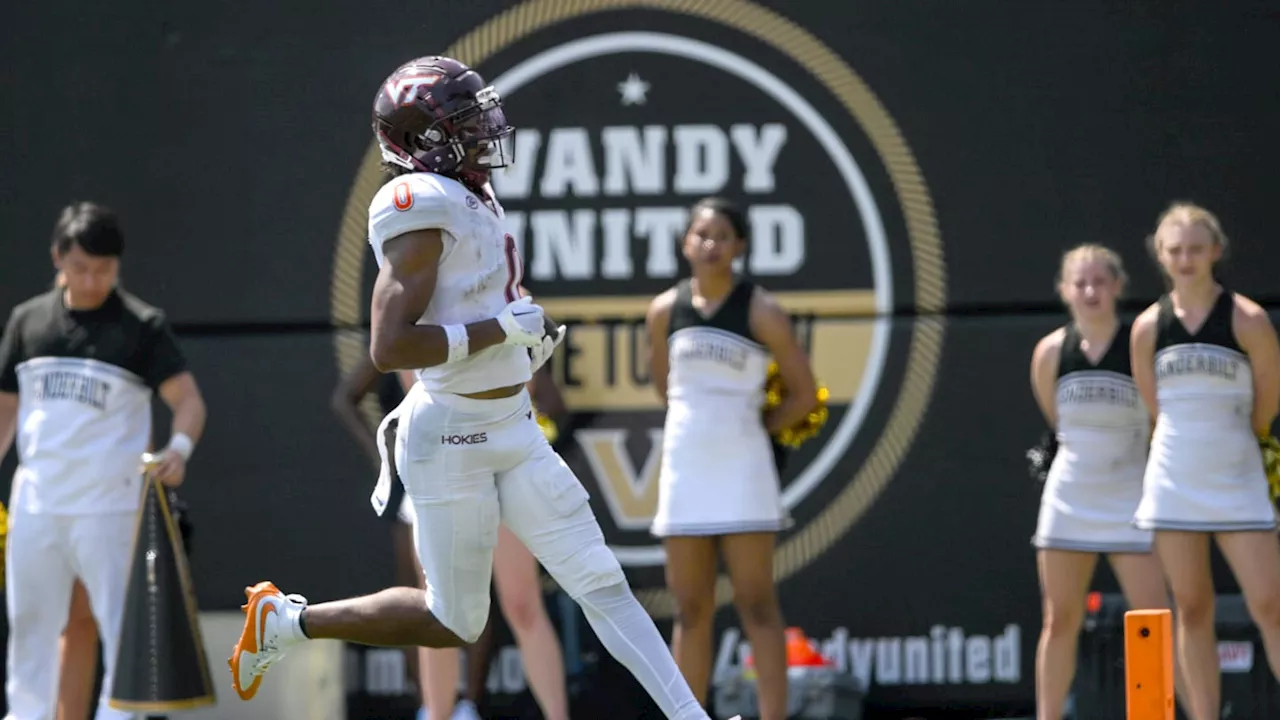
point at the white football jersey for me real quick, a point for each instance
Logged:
(480, 271)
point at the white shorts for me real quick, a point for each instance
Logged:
(468, 465)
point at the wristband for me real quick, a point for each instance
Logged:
(182, 444)
(459, 342)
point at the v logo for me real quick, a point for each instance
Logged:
(632, 496)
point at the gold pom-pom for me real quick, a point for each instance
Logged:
(4, 539)
(548, 427)
(1270, 448)
(775, 391)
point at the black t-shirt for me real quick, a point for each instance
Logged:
(124, 331)
(84, 379)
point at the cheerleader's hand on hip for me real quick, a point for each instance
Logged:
(523, 323)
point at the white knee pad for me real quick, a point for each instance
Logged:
(594, 567)
(455, 543)
(545, 505)
(464, 617)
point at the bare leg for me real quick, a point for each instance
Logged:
(691, 576)
(79, 658)
(479, 654)
(446, 546)
(1184, 556)
(1254, 558)
(1064, 581)
(749, 558)
(396, 617)
(454, 535)
(1142, 583)
(408, 573)
(520, 596)
(440, 680)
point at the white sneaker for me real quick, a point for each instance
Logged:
(465, 710)
(265, 637)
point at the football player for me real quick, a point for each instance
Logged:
(464, 443)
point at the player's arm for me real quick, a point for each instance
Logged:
(546, 394)
(401, 294)
(183, 396)
(407, 379)
(657, 321)
(10, 356)
(8, 421)
(542, 385)
(1257, 337)
(771, 324)
(345, 403)
(166, 371)
(1044, 373)
(1142, 357)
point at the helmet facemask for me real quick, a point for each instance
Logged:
(485, 139)
(469, 142)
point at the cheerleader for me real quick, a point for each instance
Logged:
(1207, 362)
(1081, 379)
(711, 338)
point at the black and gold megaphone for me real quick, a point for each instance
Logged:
(161, 664)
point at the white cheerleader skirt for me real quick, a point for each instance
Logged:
(1209, 482)
(718, 477)
(1090, 509)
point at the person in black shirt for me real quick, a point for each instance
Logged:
(79, 365)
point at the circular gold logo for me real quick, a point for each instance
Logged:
(620, 129)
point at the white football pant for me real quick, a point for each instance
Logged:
(468, 465)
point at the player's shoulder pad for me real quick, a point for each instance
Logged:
(418, 201)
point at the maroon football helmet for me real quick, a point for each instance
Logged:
(434, 114)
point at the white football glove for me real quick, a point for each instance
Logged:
(541, 353)
(522, 321)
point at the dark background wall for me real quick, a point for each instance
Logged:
(228, 136)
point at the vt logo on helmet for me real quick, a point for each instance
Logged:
(435, 114)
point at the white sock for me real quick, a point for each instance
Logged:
(628, 633)
(291, 629)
